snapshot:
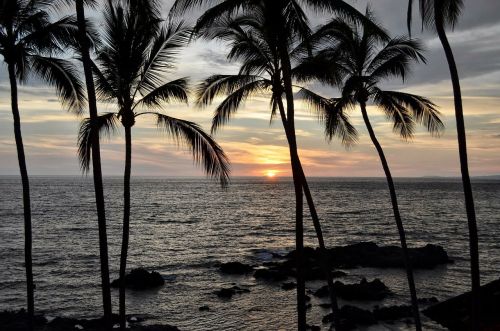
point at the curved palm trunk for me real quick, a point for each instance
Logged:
(464, 167)
(26, 196)
(299, 235)
(323, 251)
(298, 185)
(397, 216)
(96, 168)
(126, 223)
(317, 228)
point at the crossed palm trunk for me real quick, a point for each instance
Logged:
(397, 217)
(300, 180)
(30, 287)
(317, 225)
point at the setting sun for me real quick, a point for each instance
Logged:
(271, 173)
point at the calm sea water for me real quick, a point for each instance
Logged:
(183, 227)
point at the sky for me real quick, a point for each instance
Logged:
(255, 147)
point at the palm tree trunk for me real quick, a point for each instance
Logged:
(30, 287)
(397, 216)
(464, 167)
(126, 223)
(299, 237)
(96, 168)
(298, 184)
(323, 251)
(317, 228)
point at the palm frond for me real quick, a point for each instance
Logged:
(106, 124)
(324, 67)
(350, 14)
(447, 12)
(204, 149)
(232, 102)
(395, 58)
(333, 113)
(176, 90)
(395, 110)
(216, 85)
(63, 75)
(424, 111)
(162, 56)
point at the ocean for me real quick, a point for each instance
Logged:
(183, 227)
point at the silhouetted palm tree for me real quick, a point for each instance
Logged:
(354, 52)
(29, 40)
(96, 161)
(440, 15)
(288, 20)
(253, 38)
(138, 49)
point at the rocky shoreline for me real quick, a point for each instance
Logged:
(18, 321)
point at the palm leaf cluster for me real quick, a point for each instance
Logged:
(138, 50)
(31, 42)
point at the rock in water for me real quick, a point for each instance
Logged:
(351, 316)
(235, 268)
(288, 286)
(140, 279)
(455, 313)
(374, 290)
(227, 293)
(392, 313)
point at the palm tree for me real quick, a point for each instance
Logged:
(28, 42)
(440, 15)
(138, 48)
(353, 51)
(96, 163)
(289, 20)
(253, 42)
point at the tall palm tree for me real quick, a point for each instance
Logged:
(290, 20)
(356, 53)
(138, 48)
(29, 40)
(441, 15)
(96, 161)
(252, 37)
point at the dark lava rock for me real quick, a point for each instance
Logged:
(455, 313)
(351, 316)
(325, 305)
(155, 328)
(227, 293)
(275, 275)
(313, 328)
(204, 308)
(140, 279)
(392, 313)
(428, 301)
(374, 290)
(322, 292)
(235, 268)
(288, 286)
(18, 320)
(367, 254)
(357, 315)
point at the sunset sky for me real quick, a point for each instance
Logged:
(255, 147)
